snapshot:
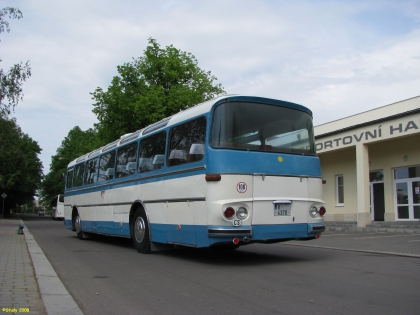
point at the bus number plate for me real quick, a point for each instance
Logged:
(282, 209)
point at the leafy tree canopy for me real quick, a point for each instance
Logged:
(154, 86)
(11, 82)
(76, 143)
(20, 167)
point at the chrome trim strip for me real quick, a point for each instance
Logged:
(229, 232)
(176, 200)
(144, 201)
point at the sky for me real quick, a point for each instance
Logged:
(338, 58)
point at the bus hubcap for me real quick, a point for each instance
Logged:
(77, 224)
(139, 229)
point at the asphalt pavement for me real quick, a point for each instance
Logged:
(29, 284)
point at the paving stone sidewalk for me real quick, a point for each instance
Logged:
(19, 292)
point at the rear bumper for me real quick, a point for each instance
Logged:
(265, 233)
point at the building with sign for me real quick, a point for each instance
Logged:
(371, 164)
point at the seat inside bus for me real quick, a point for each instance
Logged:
(177, 157)
(196, 152)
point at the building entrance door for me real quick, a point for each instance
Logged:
(377, 195)
(378, 205)
(407, 190)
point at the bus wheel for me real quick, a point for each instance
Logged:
(78, 226)
(140, 230)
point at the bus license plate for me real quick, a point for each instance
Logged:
(282, 209)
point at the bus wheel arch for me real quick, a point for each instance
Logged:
(140, 229)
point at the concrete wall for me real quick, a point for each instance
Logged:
(340, 162)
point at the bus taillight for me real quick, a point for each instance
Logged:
(322, 211)
(229, 212)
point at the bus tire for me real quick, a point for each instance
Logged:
(140, 230)
(78, 226)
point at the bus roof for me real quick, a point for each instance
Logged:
(186, 114)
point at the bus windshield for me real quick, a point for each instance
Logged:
(262, 127)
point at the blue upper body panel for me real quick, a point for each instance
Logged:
(269, 163)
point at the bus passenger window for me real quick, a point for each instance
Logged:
(78, 175)
(69, 179)
(186, 142)
(91, 172)
(152, 152)
(106, 166)
(125, 155)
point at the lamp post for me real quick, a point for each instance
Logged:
(3, 195)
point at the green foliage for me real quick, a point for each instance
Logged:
(11, 82)
(13, 13)
(76, 143)
(157, 85)
(20, 167)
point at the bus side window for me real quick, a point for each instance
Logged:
(69, 178)
(186, 142)
(126, 155)
(106, 166)
(152, 152)
(91, 172)
(78, 175)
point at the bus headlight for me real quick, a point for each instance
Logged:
(313, 211)
(242, 213)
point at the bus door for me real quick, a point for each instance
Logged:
(280, 200)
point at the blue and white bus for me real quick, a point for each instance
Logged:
(232, 171)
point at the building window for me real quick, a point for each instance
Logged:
(339, 184)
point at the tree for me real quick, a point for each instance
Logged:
(11, 82)
(157, 85)
(20, 167)
(76, 143)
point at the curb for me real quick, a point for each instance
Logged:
(56, 298)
